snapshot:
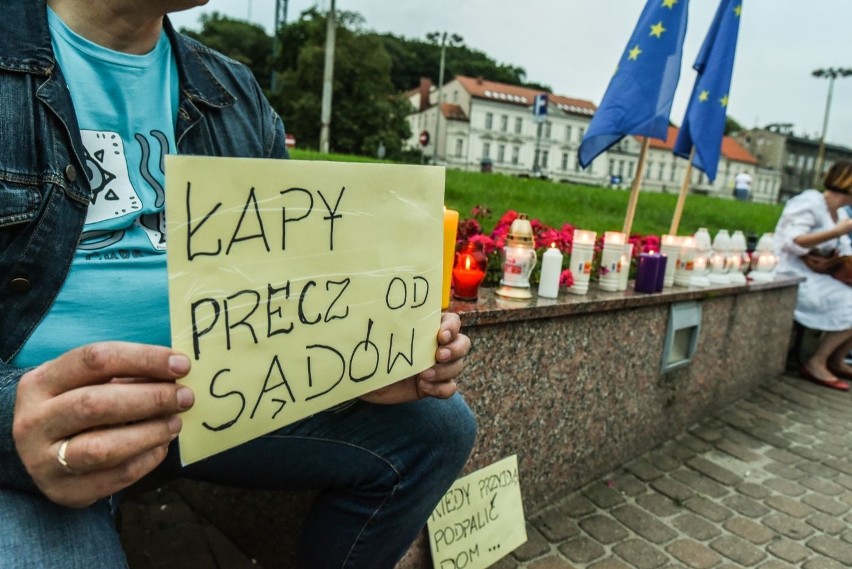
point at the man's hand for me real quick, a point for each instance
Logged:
(108, 409)
(440, 379)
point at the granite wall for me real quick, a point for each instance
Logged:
(573, 386)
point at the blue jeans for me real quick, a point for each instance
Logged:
(380, 468)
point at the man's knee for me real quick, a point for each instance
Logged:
(452, 430)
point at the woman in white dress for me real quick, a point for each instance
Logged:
(817, 221)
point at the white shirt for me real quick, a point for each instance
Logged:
(823, 302)
(742, 181)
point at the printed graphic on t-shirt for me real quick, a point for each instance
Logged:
(154, 226)
(114, 196)
(106, 166)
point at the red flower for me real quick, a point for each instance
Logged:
(467, 229)
(508, 217)
(488, 244)
(566, 279)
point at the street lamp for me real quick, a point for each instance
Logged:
(280, 20)
(454, 39)
(327, 80)
(830, 73)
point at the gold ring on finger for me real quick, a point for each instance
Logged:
(60, 456)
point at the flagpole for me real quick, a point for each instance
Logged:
(684, 188)
(634, 189)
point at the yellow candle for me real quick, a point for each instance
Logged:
(451, 225)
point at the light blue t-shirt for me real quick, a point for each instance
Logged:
(117, 289)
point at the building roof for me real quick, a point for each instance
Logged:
(516, 95)
(453, 112)
(731, 149)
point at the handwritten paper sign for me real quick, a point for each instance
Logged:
(480, 519)
(297, 285)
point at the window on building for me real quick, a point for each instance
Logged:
(581, 132)
(662, 167)
(501, 153)
(673, 174)
(621, 168)
(630, 166)
(519, 125)
(486, 150)
(504, 123)
(612, 167)
(810, 164)
(547, 126)
(648, 170)
(544, 156)
(489, 120)
(459, 147)
(564, 160)
(568, 130)
(516, 154)
(791, 160)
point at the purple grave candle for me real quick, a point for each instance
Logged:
(648, 272)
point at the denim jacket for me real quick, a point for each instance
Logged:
(44, 191)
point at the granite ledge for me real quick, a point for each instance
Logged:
(493, 309)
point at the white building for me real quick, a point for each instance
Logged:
(489, 125)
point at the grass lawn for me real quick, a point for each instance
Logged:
(586, 207)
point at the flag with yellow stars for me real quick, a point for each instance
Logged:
(639, 97)
(704, 123)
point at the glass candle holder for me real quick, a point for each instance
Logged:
(613, 249)
(519, 259)
(467, 276)
(580, 263)
(763, 260)
(477, 251)
(739, 257)
(685, 260)
(670, 247)
(718, 267)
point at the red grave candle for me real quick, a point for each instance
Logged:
(466, 277)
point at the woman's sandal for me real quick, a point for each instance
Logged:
(834, 384)
(840, 373)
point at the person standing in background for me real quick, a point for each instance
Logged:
(742, 186)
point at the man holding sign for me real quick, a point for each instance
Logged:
(95, 95)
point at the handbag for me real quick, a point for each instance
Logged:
(843, 271)
(834, 264)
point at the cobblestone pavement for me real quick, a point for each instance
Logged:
(765, 483)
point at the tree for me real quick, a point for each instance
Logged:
(366, 109)
(732, 126)
(239, 40)
(413, 59)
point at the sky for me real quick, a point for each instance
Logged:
(572, 46)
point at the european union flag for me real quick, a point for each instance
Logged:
(639, 97)
(704, 122)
